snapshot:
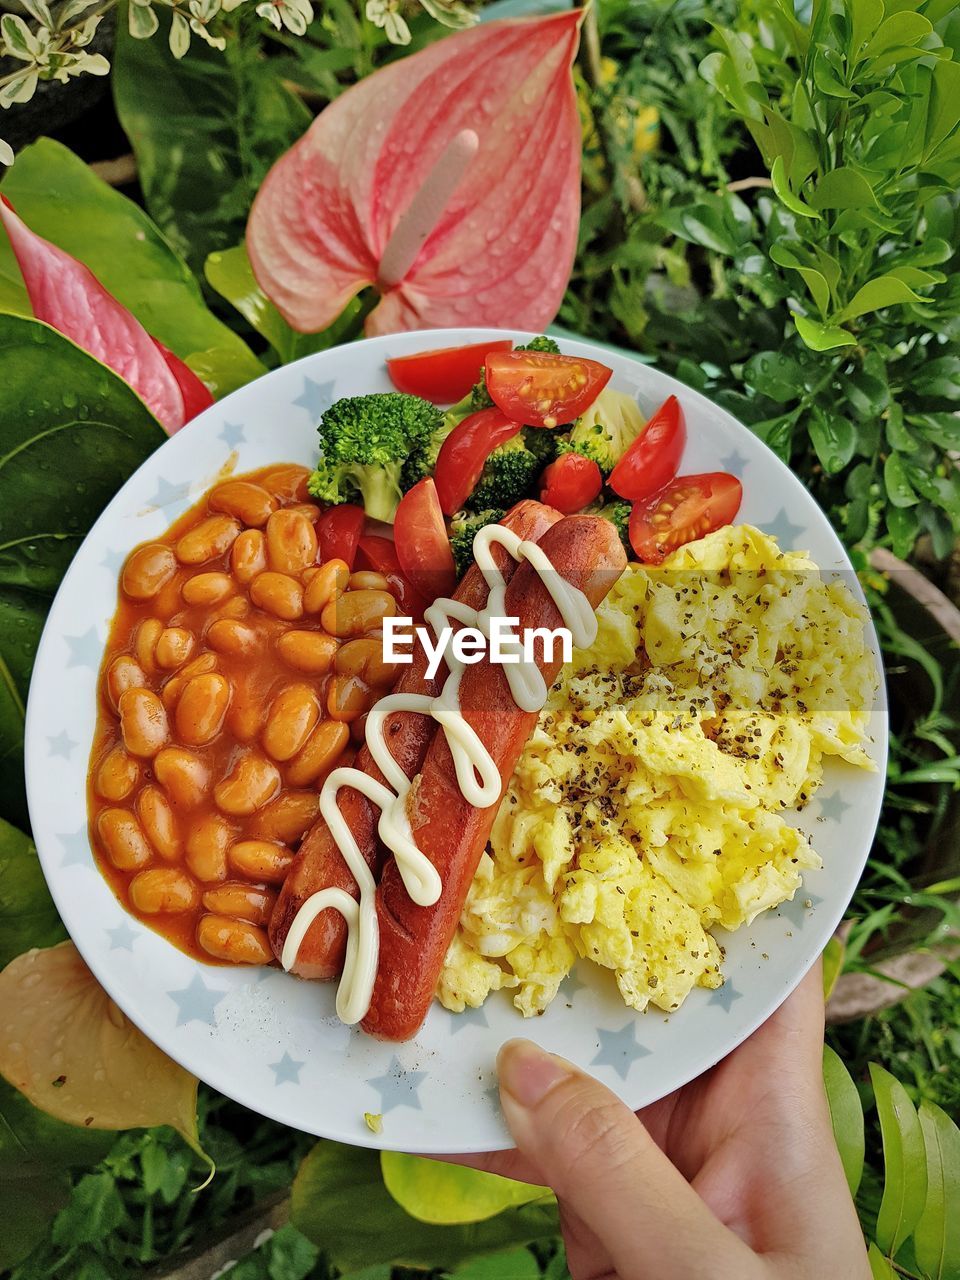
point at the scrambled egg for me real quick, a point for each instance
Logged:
(647, 807)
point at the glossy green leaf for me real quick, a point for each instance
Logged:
(780, 185)
(71, 433)
(936, 1240)
(843, 188)
(63, 200)
(230, 273)
(880, 1268)
(33, 1143)
(28, 917)
(865, 18)
(822, 337)
(898, 31)
(904, 1157)
(897, 483)
(517, 1264)
(944, 113)
(939, 377)
(846, 1116)
(834, 954)
(883, 291)
(446, 1194)
(340, 1202)
(833, 437)
(205, 129)
(27, 1207)
(904, 526)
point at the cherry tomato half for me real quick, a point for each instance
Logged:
(654, 457)
(571, 483)
(689, 507)
(378, 553)
(338, 532)
(444, 375)
(542, 390)
(423, 547)
(463, 453)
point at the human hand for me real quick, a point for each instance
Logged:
(736, 1176)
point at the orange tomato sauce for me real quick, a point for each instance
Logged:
(237, 673)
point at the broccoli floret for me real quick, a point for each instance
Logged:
(423, 462)
(618, 513)
(606, 430)
(543, 343)
(463, 527)
(511, 472)
(365, 442)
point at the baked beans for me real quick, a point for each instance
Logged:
(236, 666)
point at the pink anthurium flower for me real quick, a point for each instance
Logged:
(450, 180)
(68, 296)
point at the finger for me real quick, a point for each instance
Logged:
(506, 1164)
(607, 1171)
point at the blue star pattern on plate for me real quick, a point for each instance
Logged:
(196, 1002)
(469, 1018)
(76, 846)
(571, 984)
(725, 996)
(232, 434)
(85, 650)
(315, 397)
(833, 807)
(122, 937)
(735, 463)
(287, 1070)
(167, 494)
(797, 910)
(61, 744)
(398, 1088)
(784, 530)
(113, 560)
(619, 1049)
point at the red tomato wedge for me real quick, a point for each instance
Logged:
(338, 533)
(538, 389)
(463, 453)
(378, 553)
(689, 507)
(654, 457)
(444, 375)
(423, 547)
(571, 483)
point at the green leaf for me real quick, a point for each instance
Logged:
(205, 130)
(62, 199)
(822, 337)
(843, 188)
(95, 1210)
(905, 1170)
(897, 483)
(898, 31)
(834, 438)
(778, 178)
(774, 375)
(939, 377)
(883, 291)
(865, 17)
(517, 1264)
(33, 1143)
(71, 433)
(28, 917)
(834, 954)
(936, 1240)
(846, 1116)
(880, 1268)
(446, 1194)
(27, 1207)
(340, 1202)
(904, 526)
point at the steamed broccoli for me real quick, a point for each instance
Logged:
(480, 396)
(511, 472)
(463, 527)
(423, 462)
(365, 442)
(606, 430)
(618, 513)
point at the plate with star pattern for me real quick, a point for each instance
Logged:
(273, 1042)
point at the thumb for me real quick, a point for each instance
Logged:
(608, 1171)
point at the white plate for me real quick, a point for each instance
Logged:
(273, 1042)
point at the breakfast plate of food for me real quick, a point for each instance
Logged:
(328, 843)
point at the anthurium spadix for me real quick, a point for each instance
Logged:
(449, 180)
(67, 295)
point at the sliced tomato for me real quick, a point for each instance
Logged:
(689, 507)
(423, 547)
(542, 390)
(654, 457)
(338, 532)
(463, 453)
(379, 553)
(444, 375)
(571, 483)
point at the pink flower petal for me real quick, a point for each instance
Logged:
(68, 296)
(501, 250)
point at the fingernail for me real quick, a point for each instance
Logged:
(528, 1073)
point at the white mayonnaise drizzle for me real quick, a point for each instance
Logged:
(477, 774)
